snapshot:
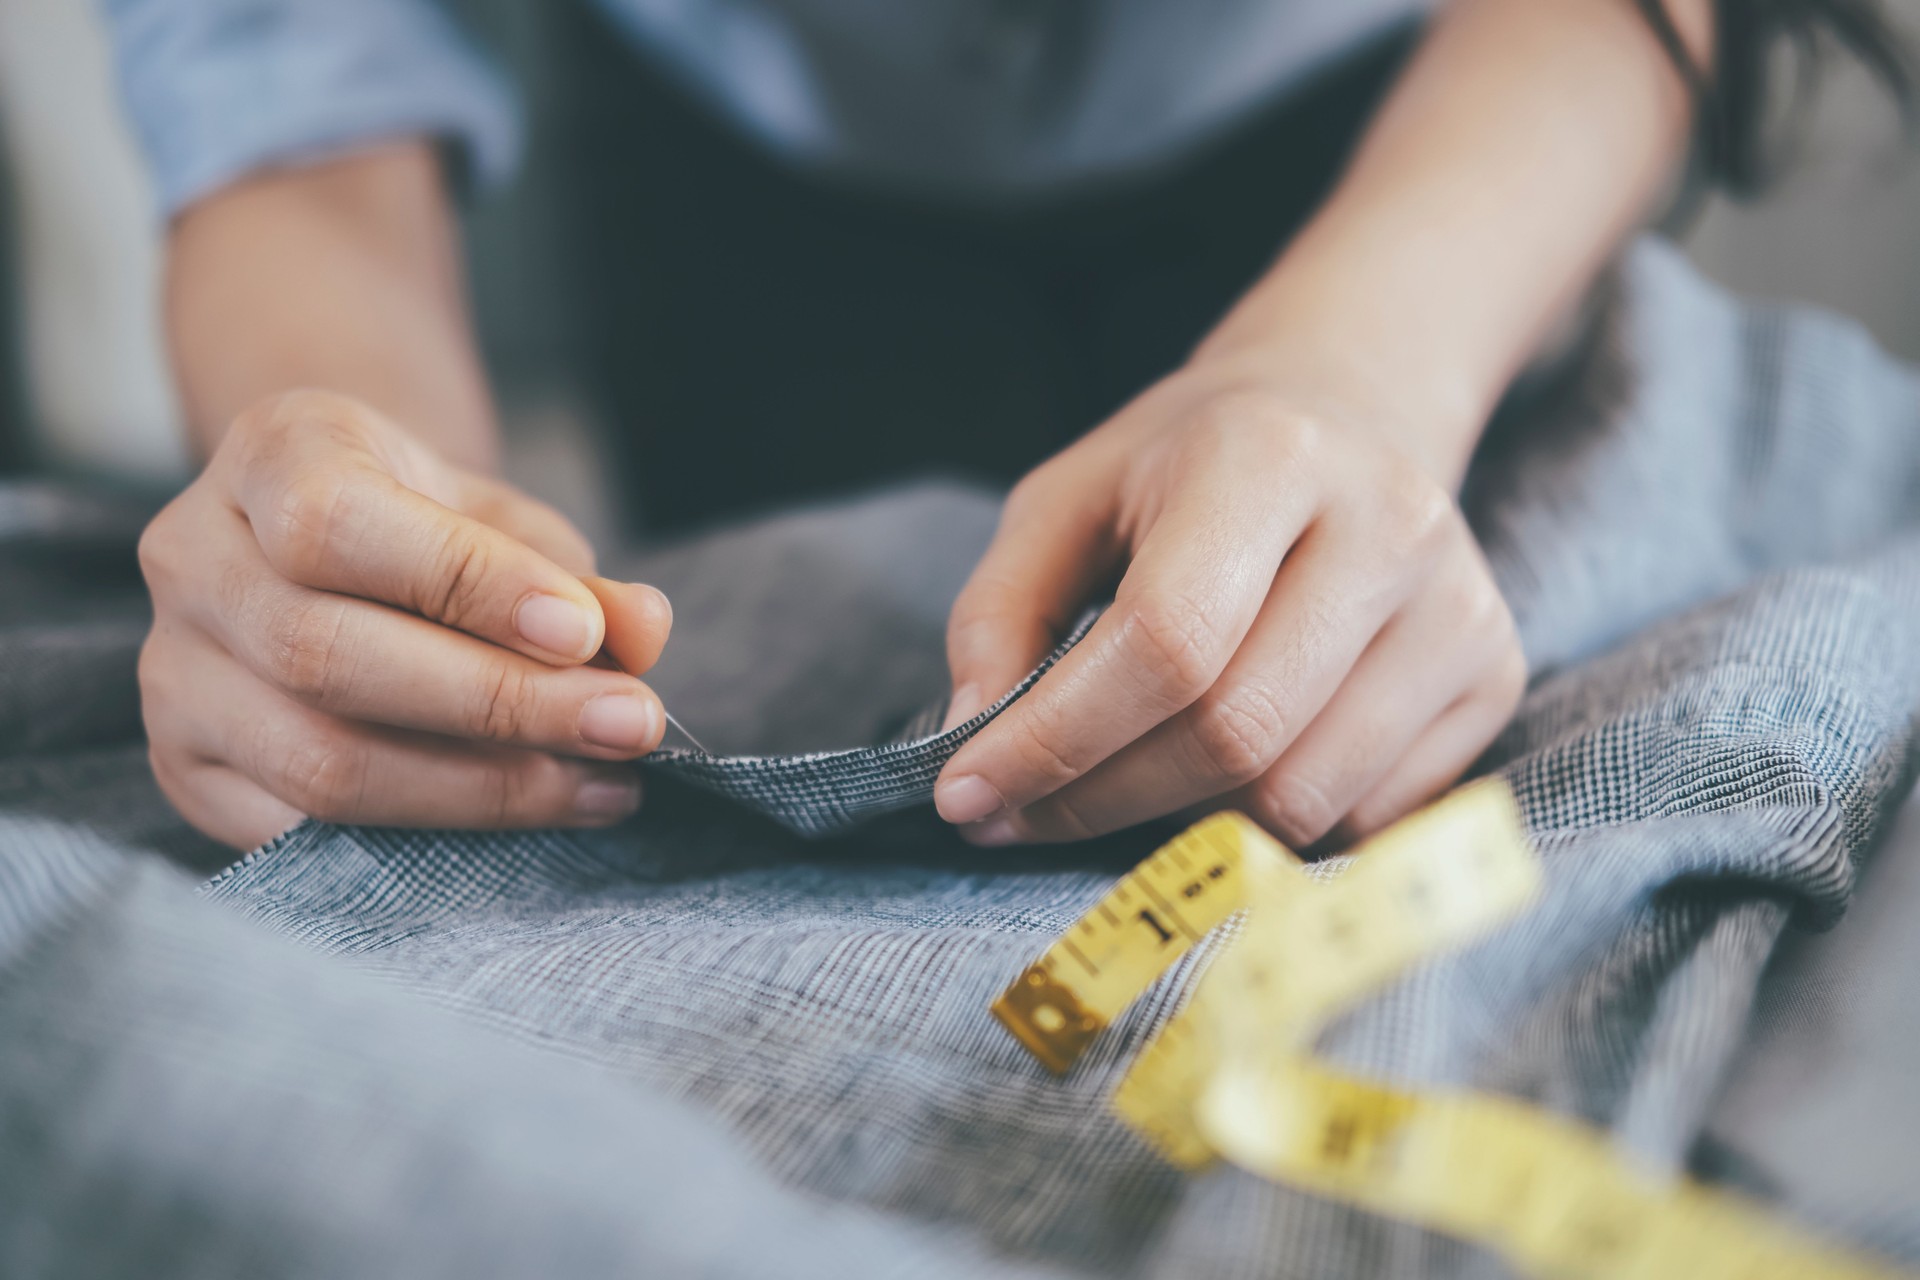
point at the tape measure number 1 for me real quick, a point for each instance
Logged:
(1232, 1074)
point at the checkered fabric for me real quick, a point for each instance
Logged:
(701, 1045)
(819, 793)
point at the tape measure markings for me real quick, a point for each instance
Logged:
(1118, 949)
(1230, 1073)
(1548, 1194)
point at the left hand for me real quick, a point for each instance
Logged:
(1305, 629)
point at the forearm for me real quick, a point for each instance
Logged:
(343, 276)
(1525, 139)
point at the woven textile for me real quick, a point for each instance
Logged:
(818, 793)
(699, 1044)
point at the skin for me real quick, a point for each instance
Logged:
(1304, 628)
(356, 619)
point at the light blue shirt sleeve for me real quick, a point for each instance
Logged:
(218, 88)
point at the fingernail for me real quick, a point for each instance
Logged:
(992, 833)
(967, 798)
(620, 722)
(556, 625)
(602, 800)
(964, 705)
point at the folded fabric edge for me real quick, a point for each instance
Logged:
(672, 757)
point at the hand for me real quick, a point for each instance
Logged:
(1305, 629)
(347, 627)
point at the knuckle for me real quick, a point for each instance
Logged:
(982, 603)
(304, 649)
(1295, 807)
(1499, 617)
(1041, 757)
(1510, 678)
(155, 548)
(160, 760)
(1230, 411)
(321, 775)
(1173, 644)
(528, 789)
(302, 406)
(986, 613)
(175, 778)
(1473, 605)
(969, 633)
(147, 666)
(1214, 422)
(305, 517)
(1240, 734)
(461, 578)
(1063, 818)
(1469, 602)
(265, 430)
(1489, 615)
(1420, 514)
(303, 410)
(1301, 440)
(1232, 421)
(503, 707)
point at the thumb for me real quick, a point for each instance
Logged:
(1054, 545)
(638, 620)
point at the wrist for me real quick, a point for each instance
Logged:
(1353, 334)
(1435, 421)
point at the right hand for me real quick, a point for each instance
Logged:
(348, 627)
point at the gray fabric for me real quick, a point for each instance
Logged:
(1820, 1108)
(366, 1050)
(819, 793)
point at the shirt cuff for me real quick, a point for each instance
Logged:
(219, 88)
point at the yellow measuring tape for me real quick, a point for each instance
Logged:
(1232, 1074)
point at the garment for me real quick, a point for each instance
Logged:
(973, 98)
(695, 1044)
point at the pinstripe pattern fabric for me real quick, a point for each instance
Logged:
(424, 1052)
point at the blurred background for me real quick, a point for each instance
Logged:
(83, 379)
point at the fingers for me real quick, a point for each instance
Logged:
(361, 661)
(1044, 559)
(1188, 599)
(223, 803)
(1319, 618)
(1444, 651)
(317, 765)
(329, 514)
(1437, 759)
(337, 611)
(1322, 707)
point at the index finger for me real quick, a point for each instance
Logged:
(335, 519)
